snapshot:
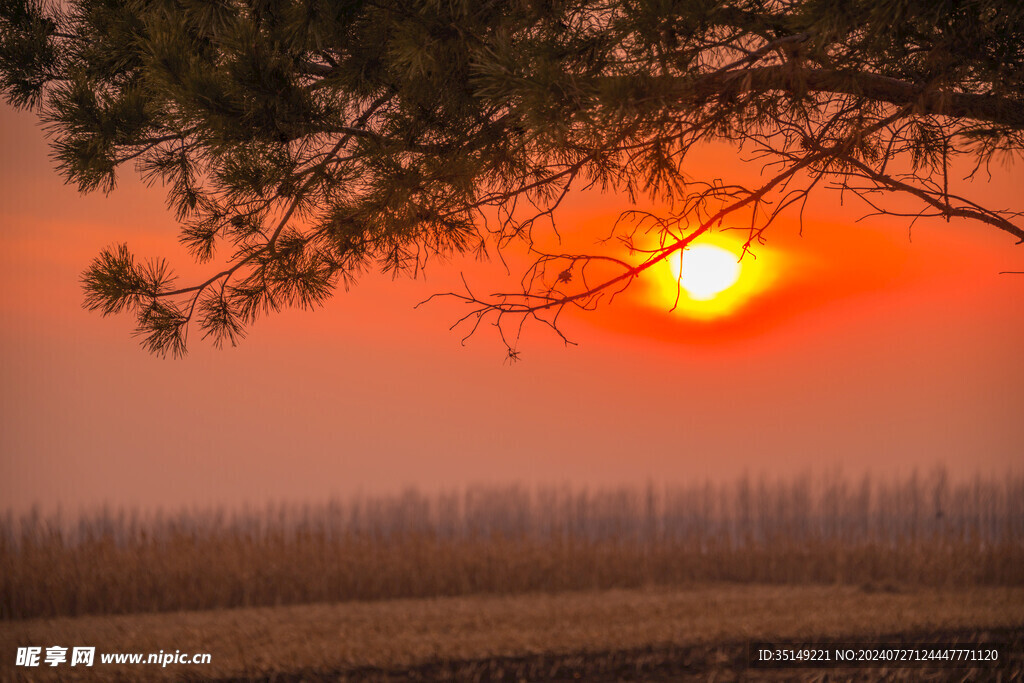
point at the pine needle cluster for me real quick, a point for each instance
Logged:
(303, 142)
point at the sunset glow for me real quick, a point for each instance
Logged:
(713, 280)
(531, 340)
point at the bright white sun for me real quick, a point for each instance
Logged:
(711, 282)
(708, 270)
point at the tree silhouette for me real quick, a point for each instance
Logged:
(310, 140)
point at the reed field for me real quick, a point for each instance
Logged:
(876, 535)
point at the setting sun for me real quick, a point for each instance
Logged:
(708, 270)
(711, 280)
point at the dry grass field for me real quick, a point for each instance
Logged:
(919, 531)
(651, 583)
(649, 634)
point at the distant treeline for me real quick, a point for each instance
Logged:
(921, 530)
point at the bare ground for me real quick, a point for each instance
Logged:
(653, 634)
(718, 662)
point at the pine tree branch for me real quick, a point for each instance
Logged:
(998, 110)
(942, 202)
(531, 305)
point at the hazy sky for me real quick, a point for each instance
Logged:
(866, 351)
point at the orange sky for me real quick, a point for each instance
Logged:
(867, 352)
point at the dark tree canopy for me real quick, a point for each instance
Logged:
(305, 141)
